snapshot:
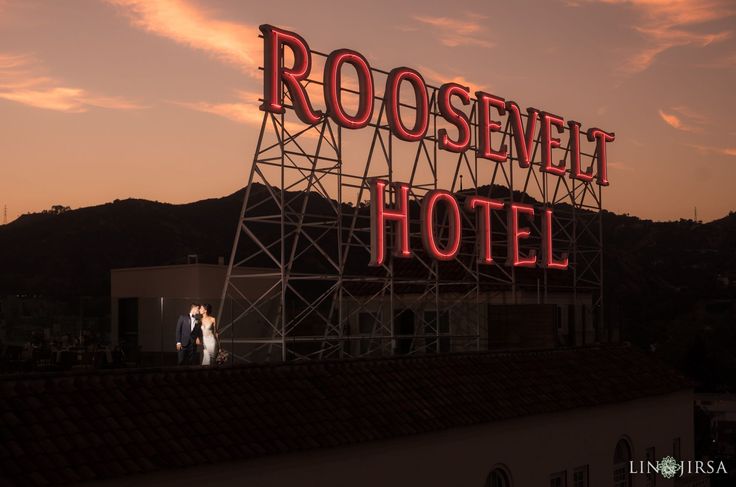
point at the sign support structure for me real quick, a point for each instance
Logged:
(298, 286)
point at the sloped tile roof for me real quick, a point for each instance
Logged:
(76, 427)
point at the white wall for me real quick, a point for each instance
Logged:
(179, 286)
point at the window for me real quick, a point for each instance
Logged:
(346, 343)
(650, 459)
(621, 458)
(404, 331)
(583, 321)
(580, 477)
(571, 332)
(558, 479)
(676, 448)
(499, 477)
(443, 330)
(366, 323)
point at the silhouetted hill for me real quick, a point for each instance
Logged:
(669, 286)
(646, 259)
(72, 252)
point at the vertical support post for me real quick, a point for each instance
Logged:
(282, 243)
(435, 265)
(340, 315)
(601, 319)
(393, 343)
(574, 256)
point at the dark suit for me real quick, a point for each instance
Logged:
(187, 336)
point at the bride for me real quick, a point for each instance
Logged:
(209, 335)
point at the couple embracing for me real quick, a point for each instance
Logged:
(197, 328)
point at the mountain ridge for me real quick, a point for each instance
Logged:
(39, 251)
(668, 286)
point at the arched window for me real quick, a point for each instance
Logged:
(499, 477)
(621, 468)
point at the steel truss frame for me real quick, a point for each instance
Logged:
(304, 222)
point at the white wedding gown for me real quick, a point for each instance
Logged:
(209, 354)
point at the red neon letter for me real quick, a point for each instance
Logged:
(515, 233)
(576, 171)
(547, 251)
(274, 75)
(524, 140)
(427, 218)
(549, 143)
(486, 126)
(455, 117)
(483, 225)
(393, 110)
(601, 138)
(380, 214)
(333, 88)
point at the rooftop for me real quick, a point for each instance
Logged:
(95, 425)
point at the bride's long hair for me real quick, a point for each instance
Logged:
(208, 309)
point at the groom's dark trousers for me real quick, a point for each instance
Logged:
(187, 337)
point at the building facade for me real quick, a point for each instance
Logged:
(573, 417)
(145, 304)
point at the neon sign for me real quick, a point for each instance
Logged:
(453, 99)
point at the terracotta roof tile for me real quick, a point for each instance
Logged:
(99, 424)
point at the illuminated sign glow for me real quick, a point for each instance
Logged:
(292, 75)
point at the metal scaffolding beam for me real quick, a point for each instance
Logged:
(304, 227)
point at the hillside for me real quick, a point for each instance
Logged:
(71, 253)
(669, 286)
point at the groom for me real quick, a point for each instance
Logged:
(188, 336)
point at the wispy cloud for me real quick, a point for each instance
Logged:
(674, 121)
(619, 166)
(666, 24)
(453, 32)
(683, 118)
(244, 110)
(438, 78)
(22, 81)
(706, 149)
(234, 43)
(690, 114)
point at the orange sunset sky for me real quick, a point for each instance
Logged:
(157, 99)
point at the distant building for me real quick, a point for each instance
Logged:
(721, 410)
(146, 301)
(22, 316)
